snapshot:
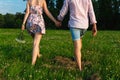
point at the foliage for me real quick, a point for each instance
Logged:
(107, 14)
(9, 20)
(18, 19)
(2, 22)
(100, 56)
(59, 4)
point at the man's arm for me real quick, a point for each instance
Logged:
(63, 11)
(92, 18)
(91, 13)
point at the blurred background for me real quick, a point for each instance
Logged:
(107, 13)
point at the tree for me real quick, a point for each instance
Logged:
(59, 4)
(116, 13)
(9, 20)
(2, 22)
(18, 19)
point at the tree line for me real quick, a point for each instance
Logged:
(107, 14)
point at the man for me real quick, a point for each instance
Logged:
(80, 12)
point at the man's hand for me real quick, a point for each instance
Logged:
(94, 30)
(58, 23)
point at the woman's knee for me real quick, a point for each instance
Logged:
(36, 44)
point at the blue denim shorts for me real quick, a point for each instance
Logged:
(77, 33)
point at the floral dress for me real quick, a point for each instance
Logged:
(35, 21)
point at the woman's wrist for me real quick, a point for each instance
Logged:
(54, 21)
(23, 24)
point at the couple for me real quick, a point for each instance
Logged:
(78, 23)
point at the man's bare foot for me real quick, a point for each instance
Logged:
(80, 69)
(33, 63)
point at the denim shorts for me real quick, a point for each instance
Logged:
(77, 33)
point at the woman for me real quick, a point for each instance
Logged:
(35, 23)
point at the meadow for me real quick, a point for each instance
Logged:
(100, 56)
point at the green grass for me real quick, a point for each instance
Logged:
(100, 55)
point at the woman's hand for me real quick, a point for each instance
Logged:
(23, 27)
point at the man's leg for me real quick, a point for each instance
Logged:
(77, 52)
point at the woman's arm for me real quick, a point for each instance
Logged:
(26, 15)
(47, 12)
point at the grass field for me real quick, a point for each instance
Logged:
(100, 57)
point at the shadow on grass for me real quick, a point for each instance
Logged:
(62, 62)
(59, 62)
(69, 63)
(1, 75)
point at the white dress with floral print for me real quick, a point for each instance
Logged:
(35, 22)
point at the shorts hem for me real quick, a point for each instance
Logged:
(76, 39)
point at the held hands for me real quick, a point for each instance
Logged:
(94, 30)
(58, 23)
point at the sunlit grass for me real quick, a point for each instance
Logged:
(100, 56)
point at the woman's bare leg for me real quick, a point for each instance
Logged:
(36, 43)
(39, 55)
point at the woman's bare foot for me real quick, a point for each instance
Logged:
(39, 55)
